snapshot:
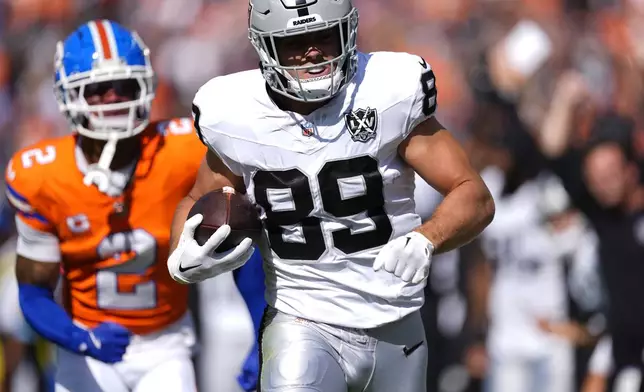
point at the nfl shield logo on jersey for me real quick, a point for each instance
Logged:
(308, 128)
(362, 124)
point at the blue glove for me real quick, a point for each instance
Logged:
(107, 342)
(249, 375)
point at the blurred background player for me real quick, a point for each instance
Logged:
(604, 180)
(89, 194)
(105, 191)
(535, 239)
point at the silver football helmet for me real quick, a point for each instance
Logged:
(270, 19)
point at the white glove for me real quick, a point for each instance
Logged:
(192, 263)
(407, 257)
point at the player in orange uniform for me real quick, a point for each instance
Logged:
(110, 245)
(96, 207)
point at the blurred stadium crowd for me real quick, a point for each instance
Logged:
(506, 70)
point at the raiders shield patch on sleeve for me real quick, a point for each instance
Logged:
(362, 124)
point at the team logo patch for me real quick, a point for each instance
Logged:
(308, 129)
(78, 223)
(362, 124)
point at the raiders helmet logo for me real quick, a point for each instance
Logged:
(362, 124)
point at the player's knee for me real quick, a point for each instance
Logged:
(295, 357)
(299, 368)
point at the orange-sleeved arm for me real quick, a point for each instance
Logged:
(25, 175)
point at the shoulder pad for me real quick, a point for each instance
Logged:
(26, 175)
(180, 126)
(181, 143)
(411, 88)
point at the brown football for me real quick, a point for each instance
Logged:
(227, 207)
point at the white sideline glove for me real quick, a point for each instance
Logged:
(407, 257)
(192, 263)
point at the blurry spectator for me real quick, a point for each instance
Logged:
(604, 182)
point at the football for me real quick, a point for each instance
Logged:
(226, 207)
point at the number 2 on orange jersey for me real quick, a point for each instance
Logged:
(39, 156)
(143, 246)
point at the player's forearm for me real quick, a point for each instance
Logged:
(47, 318)
(556, 128)
(180, 216)
(212, 175)
(460, 217)
(36, 283)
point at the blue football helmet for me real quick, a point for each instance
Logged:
(98, 56)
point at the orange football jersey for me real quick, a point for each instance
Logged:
(114, 249)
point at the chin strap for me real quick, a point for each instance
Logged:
(99, 173)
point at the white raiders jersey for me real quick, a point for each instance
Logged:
(529, 258)
(331, 186)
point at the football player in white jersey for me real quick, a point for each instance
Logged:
(534, 238)
(325, 140)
